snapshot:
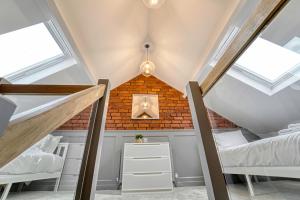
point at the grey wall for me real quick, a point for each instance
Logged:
(184, 150)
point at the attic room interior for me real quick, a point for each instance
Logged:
(149, 99)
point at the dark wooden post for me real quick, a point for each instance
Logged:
(211, 167)
(87, 181)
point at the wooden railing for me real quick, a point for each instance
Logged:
(19, 89)
(27, 128)
(265, 11)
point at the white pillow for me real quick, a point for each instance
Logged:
(229, 139)
(297, 125)
(49, 143)
(289, 131)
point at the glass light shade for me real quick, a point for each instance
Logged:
(147, 68)
(154, 3)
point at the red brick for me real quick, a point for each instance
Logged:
(174, 109)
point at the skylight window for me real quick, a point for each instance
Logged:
(267, 60)
(25, 48)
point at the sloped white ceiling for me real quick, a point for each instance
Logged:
(110, 35)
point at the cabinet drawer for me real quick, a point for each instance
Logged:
(144, 165)
(146, 150)
(72, 166)
(143, 182)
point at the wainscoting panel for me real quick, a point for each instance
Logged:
(184, 152)
(186, 160)
(109, 163)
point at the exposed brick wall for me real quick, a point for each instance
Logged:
(218, 121)
(79, 122)
(174, 109)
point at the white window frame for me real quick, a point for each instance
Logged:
(267, 87)
(48, 63)
(262, 80)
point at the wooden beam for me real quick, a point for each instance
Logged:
(20, 89)
(29, 127)
(261, 17)
(87, 181)
(211, 167)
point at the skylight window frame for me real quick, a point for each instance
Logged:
(252, 75)
(267, 45)
(261, 84)
(263, 80)
(48, 63)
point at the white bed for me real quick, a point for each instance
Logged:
(273, 157)
(34, 164)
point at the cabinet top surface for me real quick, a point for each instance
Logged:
(146, 143)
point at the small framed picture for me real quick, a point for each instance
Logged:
(145, 106)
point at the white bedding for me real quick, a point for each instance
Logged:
(275, 151)
(33, 161)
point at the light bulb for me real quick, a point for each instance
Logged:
(154, 3)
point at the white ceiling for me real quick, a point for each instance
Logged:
(110, 35)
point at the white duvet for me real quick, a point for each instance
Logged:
(276, 151)
(33, 161)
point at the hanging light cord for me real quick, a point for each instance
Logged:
(147, 55)
(147, 46)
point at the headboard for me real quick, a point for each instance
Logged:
(62, 150)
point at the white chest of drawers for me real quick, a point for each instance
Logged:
(146, 167)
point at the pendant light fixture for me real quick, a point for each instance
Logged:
(147, 67)
(154, 3)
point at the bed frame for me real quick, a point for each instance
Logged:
(286, 172)
(8, 180)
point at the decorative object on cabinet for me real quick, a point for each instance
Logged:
(139, 138)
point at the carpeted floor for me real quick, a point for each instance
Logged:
(277, 190)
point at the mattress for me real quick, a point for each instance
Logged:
(33, 161)
(278, 151)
